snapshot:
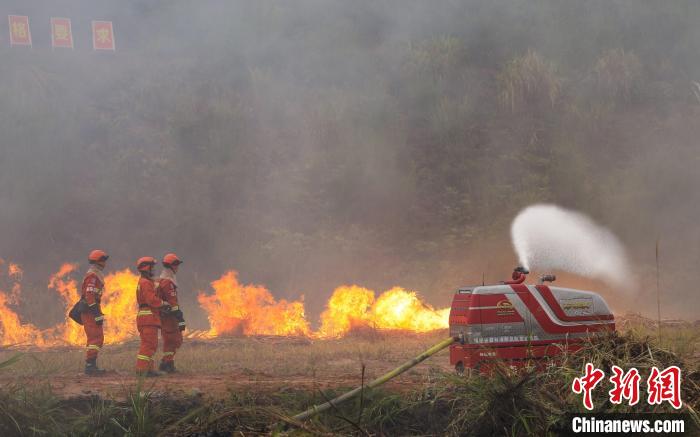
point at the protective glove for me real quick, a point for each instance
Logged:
(181, 325)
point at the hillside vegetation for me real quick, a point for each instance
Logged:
(312, 143)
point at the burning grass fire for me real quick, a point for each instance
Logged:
(251, 310)
(396, 309)
(232, 309)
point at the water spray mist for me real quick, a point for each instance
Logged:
(548, 237)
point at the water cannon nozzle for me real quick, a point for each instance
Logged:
(518, 276)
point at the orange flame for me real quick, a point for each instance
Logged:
(347, 308)
(119, 306)
(234, 308)
(250, 310)
(401, 309)
(12, 330)
(15, 273)
(396, 309)
(70, 332)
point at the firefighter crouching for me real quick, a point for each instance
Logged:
(148, 317)
(172, 323)
(88, 312)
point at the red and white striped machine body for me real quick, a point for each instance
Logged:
(519, 323)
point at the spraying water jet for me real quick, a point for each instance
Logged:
(547, 237)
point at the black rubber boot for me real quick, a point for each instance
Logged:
(167, 366)
(91, 368)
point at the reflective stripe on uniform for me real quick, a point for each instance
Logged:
(168, 353)
(181, 324)
(175, 308)
(98, 318)
(143, 357)
(145, 313)
(93, 346)
(92, 304)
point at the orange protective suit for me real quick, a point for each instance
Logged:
(92, 318)
(147, 323)
(172, 322)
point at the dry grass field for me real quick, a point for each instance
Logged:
(252, 385)
(212, 367)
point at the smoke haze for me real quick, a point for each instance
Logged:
(311, 144)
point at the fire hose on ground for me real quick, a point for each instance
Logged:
(316, 409)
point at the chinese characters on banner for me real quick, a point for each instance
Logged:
(61, 35)
(19, 30)
(662, 386)
(102, 35)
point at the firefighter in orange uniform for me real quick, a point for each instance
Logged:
(91, 314)
(148, 318)
(173, 323)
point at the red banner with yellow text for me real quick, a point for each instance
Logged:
(61, 33)
(102, 35)
(19, 30)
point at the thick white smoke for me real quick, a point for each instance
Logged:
(547, 237)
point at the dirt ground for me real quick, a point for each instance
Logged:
(214, 368)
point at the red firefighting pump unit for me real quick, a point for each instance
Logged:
(519, 323)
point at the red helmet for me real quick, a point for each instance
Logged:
(171, 259)
(145, 263)
(97, 256)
